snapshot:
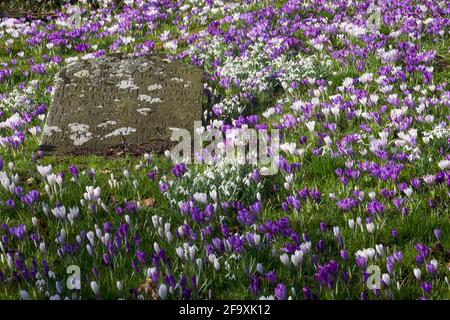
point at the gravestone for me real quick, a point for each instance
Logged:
(101, 104)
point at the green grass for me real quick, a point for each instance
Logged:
(317, 172)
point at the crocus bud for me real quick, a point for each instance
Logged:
(42, 247)
(386, 279)
(216, 264)
(162, 291)
(284, 259)
(155, 221)
(89, 249)
(417, 273)
(336, 231)
(24, 295)
(119, 285)
(437, 234)
(257, 239)
(180, 252)
(351, 223)
(380, 249)
(260, 268)
(199, 263)
(95, 288)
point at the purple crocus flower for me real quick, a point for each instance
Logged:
(394, 233)
(280, 291)
(437, 234)
(254, 284)
(426, 287)
(73, 170)
(271, 277)
(179, 170)
(151, 175)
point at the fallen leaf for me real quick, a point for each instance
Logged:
(437, 248)
(148, 202)
(148, 288)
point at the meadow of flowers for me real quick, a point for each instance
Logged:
(364, 175)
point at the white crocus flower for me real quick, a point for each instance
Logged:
(417, 273)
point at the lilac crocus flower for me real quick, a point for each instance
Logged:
(437, 234)
(280, 291)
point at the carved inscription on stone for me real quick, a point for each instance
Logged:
(103, 103)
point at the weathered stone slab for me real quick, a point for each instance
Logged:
(119, 99)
